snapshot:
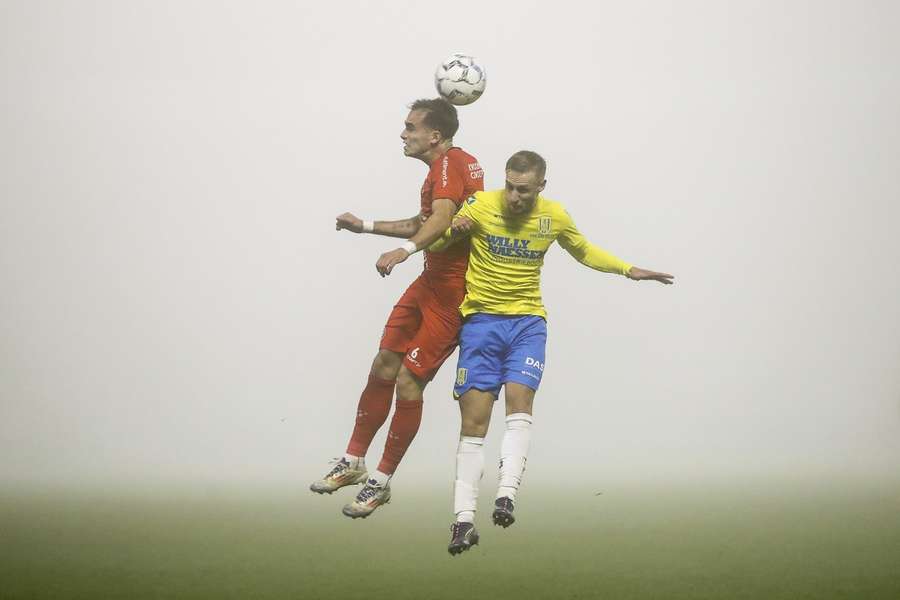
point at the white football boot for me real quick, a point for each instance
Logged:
(367, 500)
(341, 475)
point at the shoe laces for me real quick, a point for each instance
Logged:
(367, 493)
(456, 528)
(340, 465)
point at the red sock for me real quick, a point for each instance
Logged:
(404, 425)
(371, 413)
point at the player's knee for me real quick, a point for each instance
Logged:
(474, 427)
(387, 365)
(523, 405)
(519, 399)
(409, 386)
(475, 422)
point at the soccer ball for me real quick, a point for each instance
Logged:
(460, 79)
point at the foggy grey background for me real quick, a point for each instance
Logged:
(175, 305)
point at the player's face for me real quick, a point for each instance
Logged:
(417, 137)
(521, 191)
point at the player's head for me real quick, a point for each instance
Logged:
(429, 128)
(525, 172)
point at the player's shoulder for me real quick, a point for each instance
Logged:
(485, 199)
(457, 154)
(552, 217)
(464, 164)
(553, 208)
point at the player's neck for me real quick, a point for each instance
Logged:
(523, 215)
(432, 154)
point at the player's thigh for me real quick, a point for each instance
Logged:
(524, 364)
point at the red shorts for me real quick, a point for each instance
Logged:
(425, 324)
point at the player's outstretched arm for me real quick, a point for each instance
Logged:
(597, 258)
(404, 228)
(639, 274)
(573, 242)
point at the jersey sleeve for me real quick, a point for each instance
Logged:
(447, 238)
(573, 242)
(449, 181)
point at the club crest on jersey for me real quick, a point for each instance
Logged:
(544, 224)
(470, 200)
(461, 375)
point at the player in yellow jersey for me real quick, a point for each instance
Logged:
(504, 333)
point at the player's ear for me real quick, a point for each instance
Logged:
(542, 186)
(436, 137)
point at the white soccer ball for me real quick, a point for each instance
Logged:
(460, 79)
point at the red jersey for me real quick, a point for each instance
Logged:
(456, 175)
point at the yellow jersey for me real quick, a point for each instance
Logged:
(504, 275)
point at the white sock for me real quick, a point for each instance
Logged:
(356, 462)
(514, 453)
(469, 469)
(381, 479)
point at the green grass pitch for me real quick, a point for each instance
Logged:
(669, 542)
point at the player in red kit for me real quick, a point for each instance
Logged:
(422, 329)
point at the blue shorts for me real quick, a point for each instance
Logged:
(495, 349)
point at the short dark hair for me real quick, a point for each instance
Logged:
(526, 161)
(439, 115)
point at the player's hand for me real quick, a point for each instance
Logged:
(389, 260)
(638, 274)
(350, 222)
(461, 226)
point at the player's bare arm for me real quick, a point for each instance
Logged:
(403, 228)
(638, 274)
(442, 213)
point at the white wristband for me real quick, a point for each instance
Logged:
(410, 247)
(368, 226)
